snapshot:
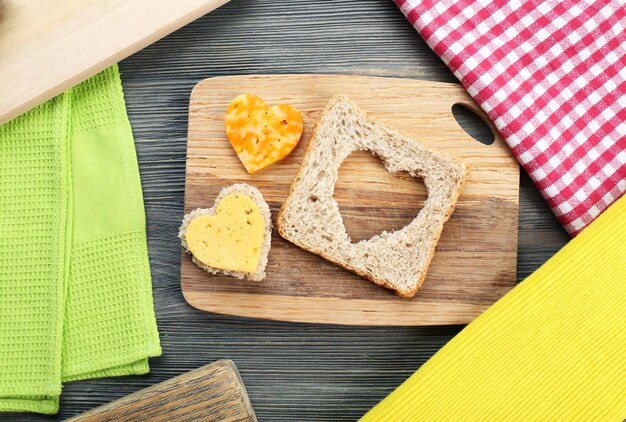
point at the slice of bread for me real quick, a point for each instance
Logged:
(257, 197)
(310, 216)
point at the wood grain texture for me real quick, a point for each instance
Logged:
(49, 46)
(475, 261)
(213, 393)
(293, 372)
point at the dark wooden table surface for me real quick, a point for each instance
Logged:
(292, 372)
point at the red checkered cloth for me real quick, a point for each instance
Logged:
(552, 77)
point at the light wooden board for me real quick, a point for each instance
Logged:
(475, 260)
(48, 46)
(214, 392)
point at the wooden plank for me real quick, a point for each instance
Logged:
(213, 392)
(475, 262)
(48, 46)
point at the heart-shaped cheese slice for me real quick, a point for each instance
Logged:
(232, 238)
(261, 135)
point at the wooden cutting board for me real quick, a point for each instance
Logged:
(475, 261)
(214, 392)
(47, 46)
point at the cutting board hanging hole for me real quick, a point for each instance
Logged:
(364, 181)
(474, 125)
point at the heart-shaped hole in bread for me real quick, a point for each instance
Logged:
(372, 200)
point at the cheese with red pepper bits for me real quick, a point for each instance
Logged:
(262, 135)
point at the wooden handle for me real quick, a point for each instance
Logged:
(75, 39)
(214, 392)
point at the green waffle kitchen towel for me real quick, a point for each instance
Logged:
(75, 287)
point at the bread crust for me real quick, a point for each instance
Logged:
(311, 148)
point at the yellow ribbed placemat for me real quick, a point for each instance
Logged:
(552, 349)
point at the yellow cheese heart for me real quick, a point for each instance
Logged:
(232, 238)
(261, 135)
